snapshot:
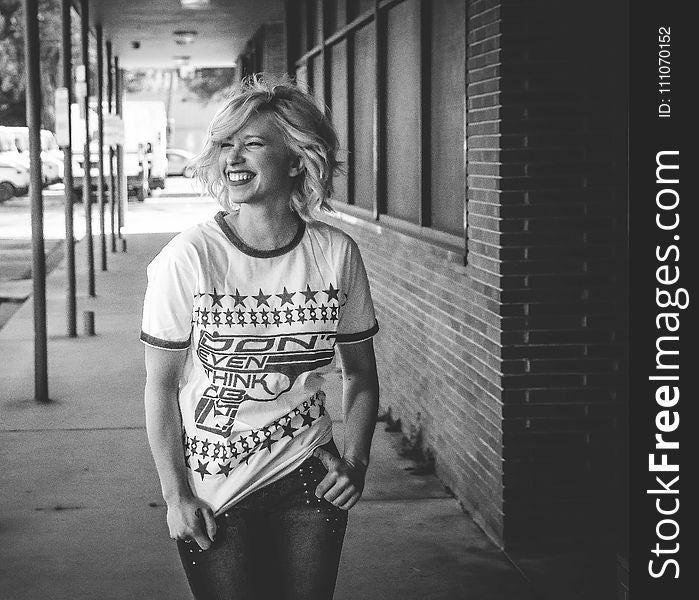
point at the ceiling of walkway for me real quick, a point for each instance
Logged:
(222, 29)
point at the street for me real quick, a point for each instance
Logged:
(154, 215)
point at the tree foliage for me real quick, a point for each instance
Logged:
(12, 67)
(210, 84)
(204, 85)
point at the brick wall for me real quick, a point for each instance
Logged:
(438, 360)
(274, 49)
(512, 367)
(555, 191)
(265, 51)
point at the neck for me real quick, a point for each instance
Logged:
(264, 227)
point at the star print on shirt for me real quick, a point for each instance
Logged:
(288, 430)
(307, 419)
(218, 447)
(224, 469)
(267, 444)
(216, 298)
(205, 448)
(262, 299)
(332, 293)
(202, 469)
(287, 297)
(310, 294)
(237, 298)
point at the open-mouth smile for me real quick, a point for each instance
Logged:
(239, 176)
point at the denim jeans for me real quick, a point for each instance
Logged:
(280, 543)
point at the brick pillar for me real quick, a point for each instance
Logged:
(547, 228)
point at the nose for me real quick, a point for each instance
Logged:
(232, 154)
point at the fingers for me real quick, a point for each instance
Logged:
(329, 461)
(201, 538)
(326, 484)
(209, 521)
(351, 502)
(342, 486)
(344, 496)
(189, 522)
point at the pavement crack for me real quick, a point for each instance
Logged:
(59, 507)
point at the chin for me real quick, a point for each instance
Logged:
(231, 204)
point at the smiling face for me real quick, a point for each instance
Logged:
(255, 163)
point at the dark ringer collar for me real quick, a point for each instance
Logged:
(249, 250)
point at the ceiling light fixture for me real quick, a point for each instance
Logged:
(184, 37)
(194, 4)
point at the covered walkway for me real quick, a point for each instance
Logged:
(81, 516)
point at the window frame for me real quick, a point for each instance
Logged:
(315, 12)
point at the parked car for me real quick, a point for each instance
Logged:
(14, 180)
(177, 161)
(12, 146)
(51, 165)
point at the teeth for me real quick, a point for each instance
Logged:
(240, 176)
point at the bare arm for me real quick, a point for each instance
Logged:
(344, 483)
(164, 428)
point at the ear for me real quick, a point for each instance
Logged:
(295, 167)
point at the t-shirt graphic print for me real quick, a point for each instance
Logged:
(260, 329)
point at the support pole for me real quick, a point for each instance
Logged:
(66, 49)
(123, 196)
(100, 146)
(33, 108)
(87, 184)
(112, 178)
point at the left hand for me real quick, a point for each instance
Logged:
(344, 483)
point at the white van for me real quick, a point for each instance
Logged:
(145, 131)
(8, 150)
(51, 166)
(14, 180)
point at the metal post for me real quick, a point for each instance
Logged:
(100, 145)
(33, 108)
(87, 183)
(123, 193)
(66, 49)
(112, 178)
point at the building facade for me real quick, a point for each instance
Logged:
(485, 155)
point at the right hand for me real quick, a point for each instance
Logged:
(191, 519)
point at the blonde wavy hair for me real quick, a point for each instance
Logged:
(308, 132)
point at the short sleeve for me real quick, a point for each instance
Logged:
(357, 321)
(169, 299)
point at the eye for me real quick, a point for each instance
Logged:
(253, 144)
(226, 145)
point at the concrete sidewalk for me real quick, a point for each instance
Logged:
(81, 512)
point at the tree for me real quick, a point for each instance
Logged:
(204, 85)
(12, 68)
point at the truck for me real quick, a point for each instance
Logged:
(145, 159)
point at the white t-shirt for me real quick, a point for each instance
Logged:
(259, 328)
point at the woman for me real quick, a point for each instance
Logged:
(241, 320)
